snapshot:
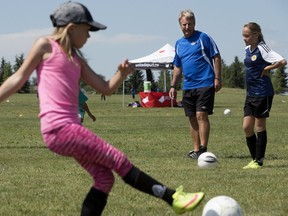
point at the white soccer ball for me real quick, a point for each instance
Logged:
(222, 206)
(227, 112)
(207, 160)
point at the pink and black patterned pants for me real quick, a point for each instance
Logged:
(95, 155)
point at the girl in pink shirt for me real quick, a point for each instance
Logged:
(60, 66)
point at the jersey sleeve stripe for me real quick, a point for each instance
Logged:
(265, 47)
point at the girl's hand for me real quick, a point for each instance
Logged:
(264, 73)
(125, 68)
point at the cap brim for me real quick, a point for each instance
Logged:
(95, 26)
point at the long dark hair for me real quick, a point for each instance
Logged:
(255, 28)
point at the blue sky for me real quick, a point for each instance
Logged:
(137, 28)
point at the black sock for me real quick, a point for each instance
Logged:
(143, 182)
(261, 147)
(251, 143)
(94, 203)
(203, 148)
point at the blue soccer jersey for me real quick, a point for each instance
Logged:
(195, 56)
(255, 61)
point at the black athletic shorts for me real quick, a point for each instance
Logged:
(198, 100)
(258, 107)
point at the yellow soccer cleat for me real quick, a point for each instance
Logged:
(183, 202)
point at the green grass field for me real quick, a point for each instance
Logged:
(35, 181)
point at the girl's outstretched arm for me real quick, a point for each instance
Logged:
(17, 80)
(110, 86)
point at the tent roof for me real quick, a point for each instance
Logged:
(162, 58)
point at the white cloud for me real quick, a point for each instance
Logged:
(123, 38)
(20, 42)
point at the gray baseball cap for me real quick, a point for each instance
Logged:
(74, 12)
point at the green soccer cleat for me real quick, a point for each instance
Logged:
(252, 165)
(248, 165)
(183, 202)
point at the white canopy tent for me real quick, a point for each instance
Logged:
(158, 60)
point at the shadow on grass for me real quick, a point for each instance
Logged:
(276, 166)
(271, 160)
(23, 147)
(268, 157)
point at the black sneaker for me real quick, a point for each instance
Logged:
(193, 154)
(196, 154)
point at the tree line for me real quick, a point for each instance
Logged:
(233, 76)
(7, 69)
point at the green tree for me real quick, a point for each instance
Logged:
(225, 76)
(18, 62)
(2, 70)
(165, 75)
(136, 79)
(6, 70)
(234, 75)
(169, 77)
(279, 79)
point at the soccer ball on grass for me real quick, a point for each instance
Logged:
(207, 160)
(222, 206)
(227, 112)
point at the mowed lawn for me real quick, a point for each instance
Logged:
(35, 181)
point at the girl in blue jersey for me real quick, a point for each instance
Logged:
(259, 61)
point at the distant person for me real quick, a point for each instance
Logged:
(133, 92)
(60, 66)
(259, 61)
(103, 97)
(83, 107)
(198, 59)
